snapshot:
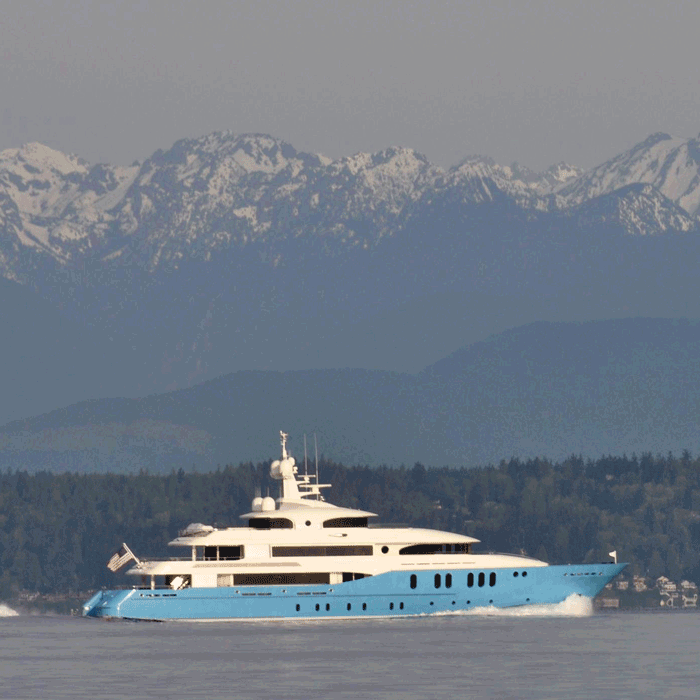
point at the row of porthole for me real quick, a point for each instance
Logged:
(317, 607)
(481, 580)
(391, 605)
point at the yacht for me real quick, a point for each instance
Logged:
(300, 557)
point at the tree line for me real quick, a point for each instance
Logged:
(58, 530)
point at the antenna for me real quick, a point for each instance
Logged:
(318, 495)
(306, 470)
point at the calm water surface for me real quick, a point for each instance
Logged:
(614, 655)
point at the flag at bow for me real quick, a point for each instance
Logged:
(613, 555)
(121, 557)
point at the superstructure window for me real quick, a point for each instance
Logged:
(278, 579)
(470, 580)
(271, 523)
(492, 578)
(438, 580)
(358, 550)
(448, 580)
(229, 553)
(352, 576)
(437, 548)
(346, 522)
(218, 553)
(414, 580)
(482, 579)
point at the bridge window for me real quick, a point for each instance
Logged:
(437, 548)
(346, 522)
(271, 523)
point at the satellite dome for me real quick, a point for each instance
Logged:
(257, 504)
(268, 504)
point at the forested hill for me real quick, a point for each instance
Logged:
(58, 530)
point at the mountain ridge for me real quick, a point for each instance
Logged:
(545, 389)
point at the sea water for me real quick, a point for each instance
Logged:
(565, 652)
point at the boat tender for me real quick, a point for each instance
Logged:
(301, 557)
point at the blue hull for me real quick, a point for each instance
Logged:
(385, 595)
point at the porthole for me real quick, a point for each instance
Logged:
(469, 602)
(349, 606)
(308, 522)
(385, 549)
(318, 607)
(515, 574)
(524, 573)
(492, 579)
(298, 607)
(491, 602)
(400, 606)
(482, 579)
(364, 606)
(391, 606)
(448, 581)
(470, 580)
(438, 580)
(431, 602)
(328, 606)
(414, 580)
(453, 602)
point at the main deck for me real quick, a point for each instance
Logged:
(392, 594)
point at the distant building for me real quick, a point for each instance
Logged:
(639, 583)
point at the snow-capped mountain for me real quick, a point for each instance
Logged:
(223, 190)
(238, 251)
(669, 163)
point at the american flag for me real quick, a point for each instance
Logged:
(120, 558)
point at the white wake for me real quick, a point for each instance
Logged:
(574, 606)
(6, 611)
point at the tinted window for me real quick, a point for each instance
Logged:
(346, 522)
(270, 523)
(330, 551)
(432, 548)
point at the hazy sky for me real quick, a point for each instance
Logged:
(536, 81)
